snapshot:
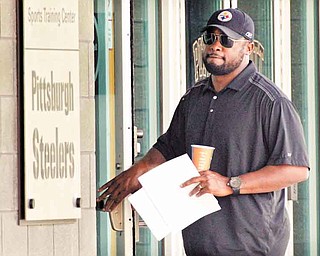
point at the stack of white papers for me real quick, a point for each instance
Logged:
(164, 205)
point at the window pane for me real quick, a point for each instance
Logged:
(304, 78)
(104, 100)
(146, 96)
(197, 14)
(261, 13)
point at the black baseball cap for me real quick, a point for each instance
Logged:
(233, 22)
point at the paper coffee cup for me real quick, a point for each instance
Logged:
(201, 156)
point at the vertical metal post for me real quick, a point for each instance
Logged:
(226, 4)
(234, 3)
(123, 83)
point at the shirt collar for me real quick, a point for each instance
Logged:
(238, 82)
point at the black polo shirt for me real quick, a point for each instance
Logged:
(251, 123)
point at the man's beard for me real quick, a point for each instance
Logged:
(225, 68)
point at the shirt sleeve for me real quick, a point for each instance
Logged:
(285, 135)
(172, 143)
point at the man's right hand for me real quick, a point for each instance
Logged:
(118, 188)
(115, 190)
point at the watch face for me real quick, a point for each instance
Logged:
(235, 182)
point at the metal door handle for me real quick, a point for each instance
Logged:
(137, 134)
(293, 192)
(116, 217)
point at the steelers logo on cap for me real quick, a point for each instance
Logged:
(225, 16)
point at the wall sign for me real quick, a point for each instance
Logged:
(51, 92)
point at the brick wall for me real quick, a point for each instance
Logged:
(76, 239)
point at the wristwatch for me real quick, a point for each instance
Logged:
(234, 183)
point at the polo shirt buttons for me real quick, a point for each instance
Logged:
(214, 98)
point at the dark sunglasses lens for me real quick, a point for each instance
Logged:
(226, 41)
(210, 38)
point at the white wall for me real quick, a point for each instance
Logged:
(173, 80)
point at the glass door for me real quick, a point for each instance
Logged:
(146, 100)
(105, 118)
(127, 111)
(304, 20)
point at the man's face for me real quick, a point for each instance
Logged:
(220, 60)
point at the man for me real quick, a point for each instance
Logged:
(259, 148)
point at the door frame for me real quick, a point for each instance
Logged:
(173, 86)
(123, 118)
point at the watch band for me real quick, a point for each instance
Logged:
(236, 191)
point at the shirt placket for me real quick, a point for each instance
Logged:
(210, 122)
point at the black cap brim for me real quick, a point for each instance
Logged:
(225, 30)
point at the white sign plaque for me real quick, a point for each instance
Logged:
(51, 24)
(51, 110)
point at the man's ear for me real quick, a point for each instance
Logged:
(250, 47)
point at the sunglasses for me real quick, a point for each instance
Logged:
(225, 41)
